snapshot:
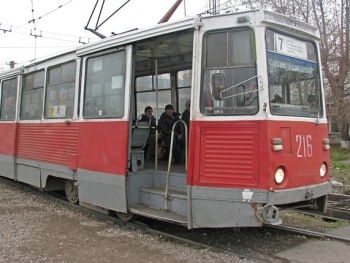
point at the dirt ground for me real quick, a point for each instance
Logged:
(34, 229)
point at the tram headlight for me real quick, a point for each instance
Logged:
(323, 170)
(279, 175)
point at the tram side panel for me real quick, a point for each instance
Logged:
(46, 149)
(102, 164)
(8, 149)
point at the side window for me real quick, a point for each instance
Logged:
(146, 92)
(32, 96)
(184, 81)
(8, 99)
(104, 86)
(60, 91)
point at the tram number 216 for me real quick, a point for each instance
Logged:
(304, 145)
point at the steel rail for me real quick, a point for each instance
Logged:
(307, 232)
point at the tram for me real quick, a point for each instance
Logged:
(257, 141)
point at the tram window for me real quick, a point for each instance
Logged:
(148, 83)
(293, 76)
(32, 96)
(149, 99)
(104, 86)
(230, 54)
(60, 91)
(8, 99)
(184, 81)
(184, 78)
(146, 93)
(216, 49)
(241, 50)
(184, 94)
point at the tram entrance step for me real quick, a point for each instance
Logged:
(159, 214)
(154, 197)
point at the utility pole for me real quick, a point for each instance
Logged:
(11, 64)
(214, 7)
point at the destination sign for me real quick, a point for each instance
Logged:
(290, 46)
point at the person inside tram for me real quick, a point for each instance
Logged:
(151, 140)
(166, 122)
(185, 116)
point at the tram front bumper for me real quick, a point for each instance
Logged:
(294, 195)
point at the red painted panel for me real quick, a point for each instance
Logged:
(48, 142)
(240, 154)
(228, 154)
(103, 147)
(305, 156)
(7, 138)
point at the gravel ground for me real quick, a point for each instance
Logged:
(34, 229)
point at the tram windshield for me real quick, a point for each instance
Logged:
(229, 80)
(294, 86)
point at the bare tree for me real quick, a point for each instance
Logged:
(332, 19)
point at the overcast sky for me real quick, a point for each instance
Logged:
(60, 29)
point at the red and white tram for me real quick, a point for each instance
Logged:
(257, 142)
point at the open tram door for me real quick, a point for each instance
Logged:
(162, 76)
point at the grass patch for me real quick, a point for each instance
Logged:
(293, 218)
(338, 154)
(340, 164)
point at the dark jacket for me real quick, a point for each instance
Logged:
(186, 118)
(146, 118)
(166, 124)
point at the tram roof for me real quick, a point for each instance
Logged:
(264, 16)
(140, 34)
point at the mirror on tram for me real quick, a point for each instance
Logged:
(218, 84)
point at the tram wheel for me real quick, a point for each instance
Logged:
(71, 191)
(126, 217)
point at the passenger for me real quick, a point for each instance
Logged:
(185, 116)
(149, 113)
(166, 122)
(151, 140)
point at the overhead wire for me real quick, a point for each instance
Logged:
(33, 20)
(33, 31)
(40, 17)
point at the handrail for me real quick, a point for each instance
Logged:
(260, 80)
(170, 159)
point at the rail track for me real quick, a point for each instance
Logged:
(136, 224)
(338, 208)
(199, 239)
